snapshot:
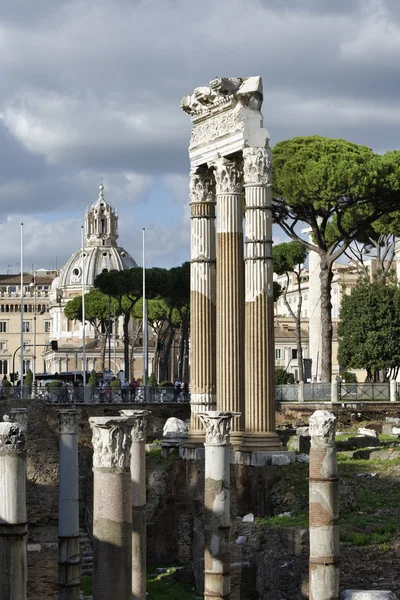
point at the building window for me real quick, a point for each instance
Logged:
(27, 365)
(3, 367)
(294, 353)
(3, 345)
(277, 353)
(3, 326)
(47, 326)
(26, 326)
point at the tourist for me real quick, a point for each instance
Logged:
(177, 389)
(124, 389)
(185, 391)
(134, 385)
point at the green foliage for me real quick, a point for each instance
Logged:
(53, 384)
(165, 586)
(288, 257)
(96, 308)
(349, 377)
(6, 387)
(93, 381)
(282, 376)
(369, 327)
(29, 379)
(115, 383)
(152, 380)
(166, 384)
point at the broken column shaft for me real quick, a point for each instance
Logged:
(324, 508)
(68, 507)
(217, 504)
(112, 508)
(13, 516)
(138, 477)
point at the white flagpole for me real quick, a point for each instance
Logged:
(21, 372)
(144, 325)
(83, 311)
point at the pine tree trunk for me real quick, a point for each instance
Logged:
(326, 276)
(126, 345)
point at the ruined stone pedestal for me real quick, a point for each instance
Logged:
(217, 504)
(13, 517)
(112, 508)
(69, 559)
(138, 477)
(324, 508)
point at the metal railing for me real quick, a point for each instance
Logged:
(110, 395)
(364, 391)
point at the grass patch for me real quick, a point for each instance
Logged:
(86, 585)
(164, 586)
(296, 519)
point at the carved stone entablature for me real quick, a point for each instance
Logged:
(217, 126)
(138, 419)
(202, 185)
(257, 165)
(218, 426)
(111, 438)
(224, 91)
(68, 420)
(228, 176)
(322, 428)
(226, 117)
(12, 436)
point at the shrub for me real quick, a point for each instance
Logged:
(93, 381)
(348, 377)
(166, 384)
(115, 383)
(29, 379)
(282, 376)
(152, 380)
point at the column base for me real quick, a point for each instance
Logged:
(256, 442)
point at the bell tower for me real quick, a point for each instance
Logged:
(101, 223)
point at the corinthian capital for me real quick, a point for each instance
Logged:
(228, 176)
(257, 165)
(202, 186)
(322, 428)
(218, 426)
(111, 438)
(138, 418)
(12, 436)
(68, 420)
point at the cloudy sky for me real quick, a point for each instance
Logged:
(92, 88)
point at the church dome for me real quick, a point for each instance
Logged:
(101, 252)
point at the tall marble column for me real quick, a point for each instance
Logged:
(112, 508)
(230, 292)
(260, 431)
(69, 559)
(13, 516)
(202, 298)
(217, 564)
(324, 508)
(138, 477)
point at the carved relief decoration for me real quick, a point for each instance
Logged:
(257, 165)
(218, 126)
(322, 428)
(228, 176)
(12, 436)
(218, 426)
(20, 415)
(138, 422)
(202, 185)
(111, 444)
(68, 421)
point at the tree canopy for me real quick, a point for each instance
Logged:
(339, 189)
(369, 327)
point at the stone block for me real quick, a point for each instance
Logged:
(248, 518)
(280, 460)
(393, 420)
(293, 444)
(295, 540)
(174, 428)
(368, 595)
(396, 430)
(363, 454)
(303, 458)
(387, 428)
(365, 431)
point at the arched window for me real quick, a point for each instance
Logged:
(102, 226)
(5, 367)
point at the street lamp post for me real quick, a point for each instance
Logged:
(33, 284)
